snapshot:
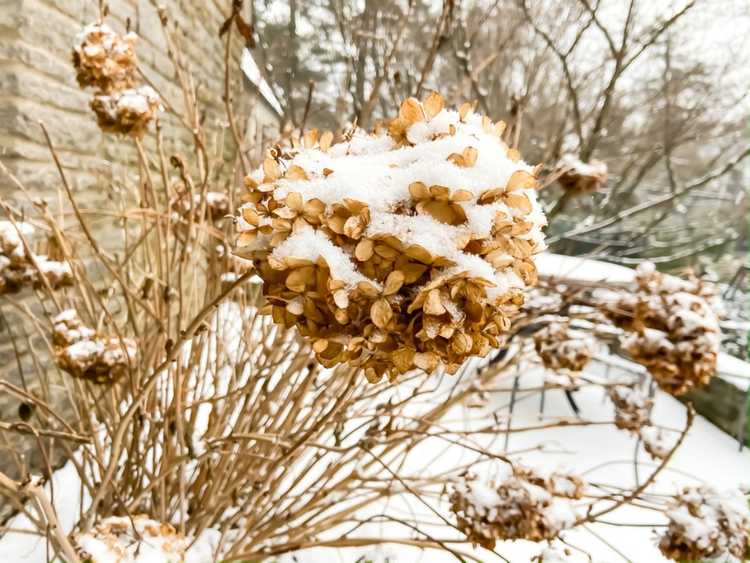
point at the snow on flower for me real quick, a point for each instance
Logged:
(523, 505)
(675, 328)
(705, 523)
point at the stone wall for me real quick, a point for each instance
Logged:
(37, 83)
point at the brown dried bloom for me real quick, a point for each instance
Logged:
(524, 506)
(127, 112)
(103, 59)
(675, 328)
(561, 347)
(83, 353)
(121, 538)
(632, 407)
(580, 177)
(408, 248)
(705, 523)
(19, 268)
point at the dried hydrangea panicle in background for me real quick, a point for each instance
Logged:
(562, 348)
(121, 538)
(83, 353)
(705, 523)
(579, 177)
(675, 328)
(632, 407)
(407, 248)
(524, 505)
(19, 269)
(106, 62)
(127, 112)
(103, 59)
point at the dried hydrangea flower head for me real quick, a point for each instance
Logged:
(525, 505)
(83, 353)
(107, 62)
(705, 523)
(127, 112)
(19, 269)
(632, 407)
(407, 248)
(104, 59)
(658, 442)
(580, 177)
(563, 348)
(125, 540)
(675, 328)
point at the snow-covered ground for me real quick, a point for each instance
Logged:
(603, 455)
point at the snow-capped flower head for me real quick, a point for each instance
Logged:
(83, 353)
(524, 505)
(20, 267)
(406, 248)
(632, 407)
(563, 348)
(674, 328)
(104, 59)
(580, 177)
(128, 112)
(705, 523)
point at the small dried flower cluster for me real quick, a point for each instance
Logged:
(408, 248)
(104, 60)
(675, 329)
(128, 112)
(632, 407)
(17, 269)
(107, 62)
(580, 177)
(707, 524)
(83, 353)
(126, 540)
(633, 413)
(526, 505)
(563, 348)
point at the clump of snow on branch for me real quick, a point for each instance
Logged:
(83, 353)
(705, 523)
(406, 248)
(21, 268)
(523, 505)
(674, 328)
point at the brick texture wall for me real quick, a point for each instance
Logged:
(37, 83)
